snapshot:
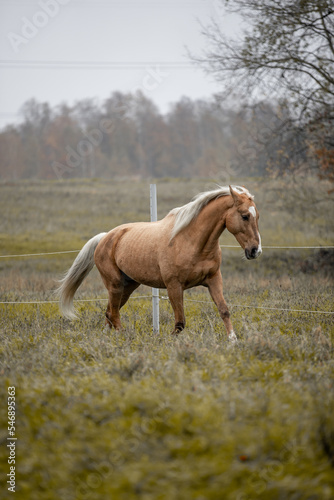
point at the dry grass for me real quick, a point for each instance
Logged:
(136, 415)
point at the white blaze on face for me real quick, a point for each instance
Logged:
(259, 248)
(252, 211)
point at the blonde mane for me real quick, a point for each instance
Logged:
(185, 214)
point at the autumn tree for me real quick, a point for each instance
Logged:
(286, 54)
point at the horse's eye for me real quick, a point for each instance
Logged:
(245, 217)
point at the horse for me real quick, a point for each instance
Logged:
(178, 252)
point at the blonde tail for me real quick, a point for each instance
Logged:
(80, 268)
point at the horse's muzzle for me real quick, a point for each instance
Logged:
(253, 253)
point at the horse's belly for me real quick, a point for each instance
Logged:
(136, 255)
(141, 270)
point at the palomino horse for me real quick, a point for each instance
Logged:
(178, 252)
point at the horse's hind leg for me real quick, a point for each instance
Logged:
(129, 287)
(112, 279)
(114, 304)
(118, 296)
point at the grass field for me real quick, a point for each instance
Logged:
(136, 415)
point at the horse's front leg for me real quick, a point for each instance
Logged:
(175, 294)
(215, 286)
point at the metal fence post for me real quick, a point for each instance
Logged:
(155, 291)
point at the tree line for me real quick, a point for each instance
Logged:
(126, 135)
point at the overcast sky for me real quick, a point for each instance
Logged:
(66, 50)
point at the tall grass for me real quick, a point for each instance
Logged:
(101, 415)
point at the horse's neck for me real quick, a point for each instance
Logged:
(210, 223)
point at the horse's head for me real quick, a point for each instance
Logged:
(242, 221)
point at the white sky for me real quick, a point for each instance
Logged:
(85, 33)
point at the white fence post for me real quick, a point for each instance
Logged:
(155, 291)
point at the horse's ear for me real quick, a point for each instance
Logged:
(236, 196)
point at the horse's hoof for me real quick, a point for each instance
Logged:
(177, 331)
(233, 338)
